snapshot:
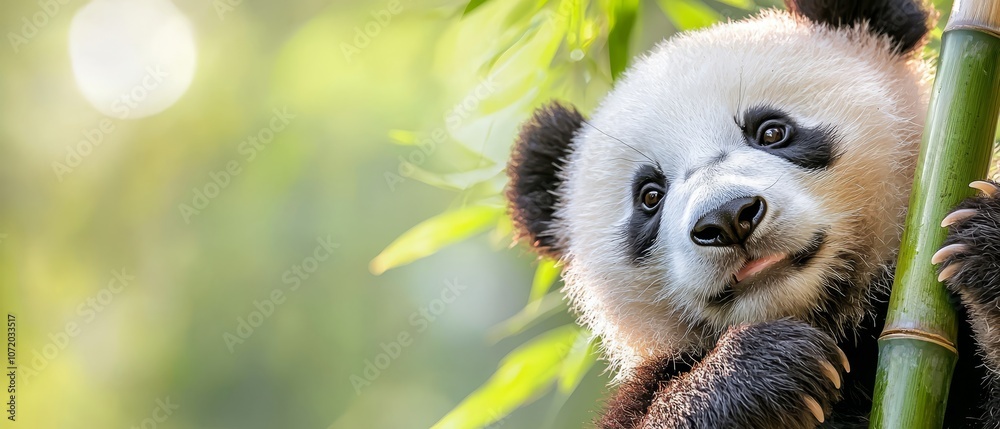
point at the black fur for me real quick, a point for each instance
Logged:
(539, 155)
(809, 148)
(644, 225)
(905, 22)
(753, 377)
(636, 394)
(977, 283)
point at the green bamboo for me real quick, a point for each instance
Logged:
(917, 353)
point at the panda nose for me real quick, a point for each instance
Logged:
(730, 224)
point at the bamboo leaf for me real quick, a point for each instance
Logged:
(742, 4)
(688, 15)
(523, 375)
(432, 234)
(530, 315)
(623, 14)
(403, 137)
(501, 234)
(473, 5)
(545, 276)
(581, 358)
(460, 181)
(577, 364)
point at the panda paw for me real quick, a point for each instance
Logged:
(970, 258)
(780, 374)
(793, 367)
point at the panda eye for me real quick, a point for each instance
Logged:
(651, 196)
(773, 134)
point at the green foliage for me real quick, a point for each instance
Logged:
(473, 4)
(524, 374)
(742, 4)
(545, 276)
(532, 314)
(623, 16)
(434, 233)
(688, 14)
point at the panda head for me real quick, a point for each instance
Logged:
(750, 171)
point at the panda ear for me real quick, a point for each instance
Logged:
(539, 156)
(905, 22)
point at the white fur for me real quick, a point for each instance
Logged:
(677, 106)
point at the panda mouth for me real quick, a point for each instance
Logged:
(753, 269)
(798, 259)
(755, 266)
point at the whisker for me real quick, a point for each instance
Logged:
(775, 181)
(626, 144)
(739, 101)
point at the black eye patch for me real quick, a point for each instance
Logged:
(644, 225)
(774, 131)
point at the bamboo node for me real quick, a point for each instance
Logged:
(916, 334)
(975, 15)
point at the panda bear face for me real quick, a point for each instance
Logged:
(751, 171)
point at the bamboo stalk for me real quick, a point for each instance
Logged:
(917, 352)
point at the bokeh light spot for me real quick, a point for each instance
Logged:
(132, 58)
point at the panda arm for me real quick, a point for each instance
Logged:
(627, 409)
(756, 375)
(970, 266)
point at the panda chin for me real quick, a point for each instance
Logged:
(766, 270)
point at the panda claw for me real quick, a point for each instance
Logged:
(949, 272)
(843, 360)
(830, 372)
(948, 251)
(984, 186)
(813, 407)
(957, 216)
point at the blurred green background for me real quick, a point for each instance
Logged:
(233, 249)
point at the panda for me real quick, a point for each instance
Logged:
(729, 216)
